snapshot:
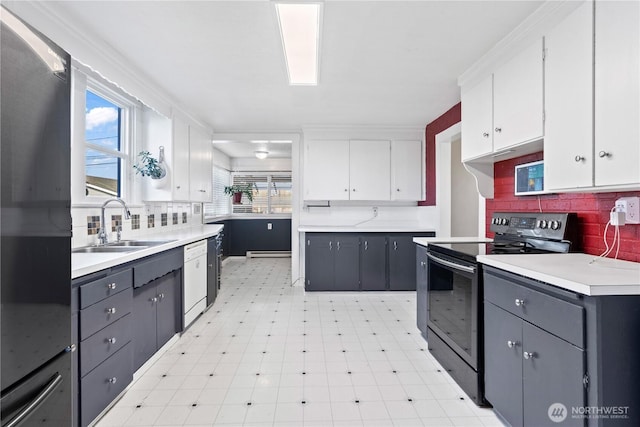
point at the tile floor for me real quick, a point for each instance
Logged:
(269, 354)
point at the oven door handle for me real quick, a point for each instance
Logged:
(450, 264)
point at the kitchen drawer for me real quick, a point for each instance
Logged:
(99, 346)
(100, 289)
(107, 311)
(102, 385)
(157, 266)
(555, 315)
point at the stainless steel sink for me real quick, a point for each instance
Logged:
(103, 249)
(125, 243)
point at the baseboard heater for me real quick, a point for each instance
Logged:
(268, 254)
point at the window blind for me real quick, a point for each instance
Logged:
(221, 204)
(271, 193)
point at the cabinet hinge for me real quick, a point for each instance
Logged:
(544, 116)
(585, 380)
(544, 53)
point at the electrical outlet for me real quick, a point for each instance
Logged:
(631, 208)
(375, 211)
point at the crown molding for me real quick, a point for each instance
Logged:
(534, 27)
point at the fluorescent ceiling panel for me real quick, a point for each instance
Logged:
(300, 32)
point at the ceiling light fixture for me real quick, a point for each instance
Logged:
(261, 154)
(281, 141)
(259, 141)
(300, 33)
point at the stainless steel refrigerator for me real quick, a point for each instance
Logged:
(35, 223)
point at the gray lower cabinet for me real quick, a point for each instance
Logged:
(332, 262)
(373, 254)
(360, 261)
(422, 301)
(546, 346)
(156, 308)
(402, 271)
(105, 359)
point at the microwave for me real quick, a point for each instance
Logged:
(529, 178)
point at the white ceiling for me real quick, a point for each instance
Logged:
(383, 63)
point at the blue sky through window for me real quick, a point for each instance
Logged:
(102, 119)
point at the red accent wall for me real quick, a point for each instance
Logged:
(443, 122)
(592, 209)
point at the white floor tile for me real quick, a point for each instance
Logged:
(242, 362)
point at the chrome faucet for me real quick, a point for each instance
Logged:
(102, 235)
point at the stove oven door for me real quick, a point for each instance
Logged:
(454, 311)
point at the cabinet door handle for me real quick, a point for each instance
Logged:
(498, 130)
(154, 299)
(346, 189)
(512, 344)
(112, 380)
(519, 302)
(579, 159)
(112, 286)
(366, 245)
(485, 134)
(528, 355)
(111, 310)
(604, 154)
(398, 190)
(330, 246)
(161, 296)
(111, 340)
(338, 245)
(423, 264)
(353, 189)
(395, 245)
(203, 191)
(177, 187)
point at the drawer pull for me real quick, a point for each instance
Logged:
(112, 286)
(111, 310)
(512, 344)
(111, 340)
(519, 302)
(527, 355)
(485, 134)
(112, 380)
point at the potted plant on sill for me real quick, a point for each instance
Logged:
(236, 191)
(148, 165)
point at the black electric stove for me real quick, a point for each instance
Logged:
(455, 290)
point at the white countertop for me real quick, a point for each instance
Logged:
(364, 228)
(83, 264)
(574, 272)
(424, 241)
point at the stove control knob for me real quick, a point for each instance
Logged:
(505, 221)
(542, 224)
(555, 225)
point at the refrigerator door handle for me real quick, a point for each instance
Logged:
(46, 391)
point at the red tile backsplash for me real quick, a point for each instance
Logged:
(592, 209)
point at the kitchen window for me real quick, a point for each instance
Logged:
(103, 129)
(104, 126)
(271, 193)
(220, 205)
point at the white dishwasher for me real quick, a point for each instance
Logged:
(194, 281)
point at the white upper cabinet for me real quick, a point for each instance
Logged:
(187, 159)
(200, 165)
(477, 119)
(617, 93)
(373, 170)
(518, 98)
(326, 170)
(568, 142)
(406, 170)
(505, 109)
(370, 170)
(582, 97)
(180, 173)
